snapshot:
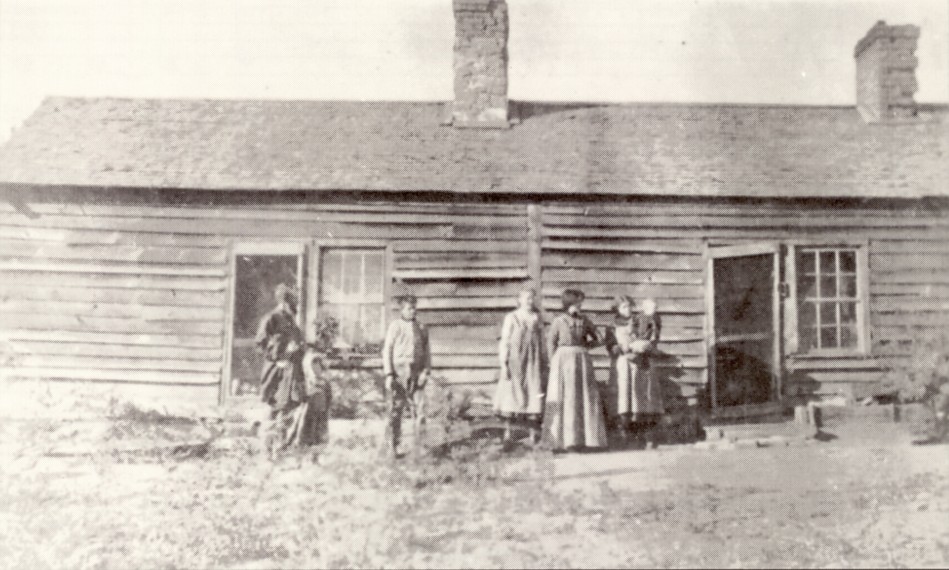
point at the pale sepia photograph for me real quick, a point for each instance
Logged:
(474, 284)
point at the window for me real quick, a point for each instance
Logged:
(829, 298)
(352, 290)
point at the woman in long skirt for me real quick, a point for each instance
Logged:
(299, 406)
(573, 416)
(638, 395)
(520, 390)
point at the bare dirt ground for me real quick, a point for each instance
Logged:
(864, 499)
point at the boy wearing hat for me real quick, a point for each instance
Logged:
(406, 362)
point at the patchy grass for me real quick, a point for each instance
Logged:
(471, 505)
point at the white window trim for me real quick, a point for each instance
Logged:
(862, 248)
(316, 273)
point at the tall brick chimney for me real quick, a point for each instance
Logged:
(886, 73)
(481, 33)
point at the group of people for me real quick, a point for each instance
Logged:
(546, 382)
(552, 386)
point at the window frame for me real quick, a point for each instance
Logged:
(861, 249)
(318, 247)
(257, 248)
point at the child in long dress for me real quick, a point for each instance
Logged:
(520, 390)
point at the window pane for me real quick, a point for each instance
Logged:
(372, 324)
(807, 315)
(332, 275)
(828, 337)
(805, 263)
(349, 329)
(808, 339)
(848, 313)
(848, 286)
(373, 283)
(328, 311)
(848, 337)
(352, 273)
(828, 262)
(828, 314)
(848, 261)
(357, 287)
(828, 286)
(806, 287)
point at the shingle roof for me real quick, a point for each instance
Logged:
(638, 149)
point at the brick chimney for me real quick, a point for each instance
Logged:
(886, 73)
(481, 33)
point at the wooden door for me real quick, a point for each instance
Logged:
(744, 336)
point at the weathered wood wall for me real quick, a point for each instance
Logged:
(656, 249)
(136, 291)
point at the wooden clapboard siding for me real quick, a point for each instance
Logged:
(137, 292)
(655, 249)
(666, 265)
(50, 292)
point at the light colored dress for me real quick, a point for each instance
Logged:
(638, 392)
(521, 351)
(573, 415)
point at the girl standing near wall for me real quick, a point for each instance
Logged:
(520, 390)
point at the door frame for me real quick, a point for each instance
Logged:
(276, 248)
(713, 253)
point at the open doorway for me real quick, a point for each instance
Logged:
(744, 348)
(256, 275)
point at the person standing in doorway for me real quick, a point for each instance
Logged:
(520, 391)
(406, 362)
(282, 383)
(573, 414)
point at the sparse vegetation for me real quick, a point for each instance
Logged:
(922, 374)
(92, 503)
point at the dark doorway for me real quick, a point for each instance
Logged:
(255, 279)
(744, 345)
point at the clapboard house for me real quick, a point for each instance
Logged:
(790, 248)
